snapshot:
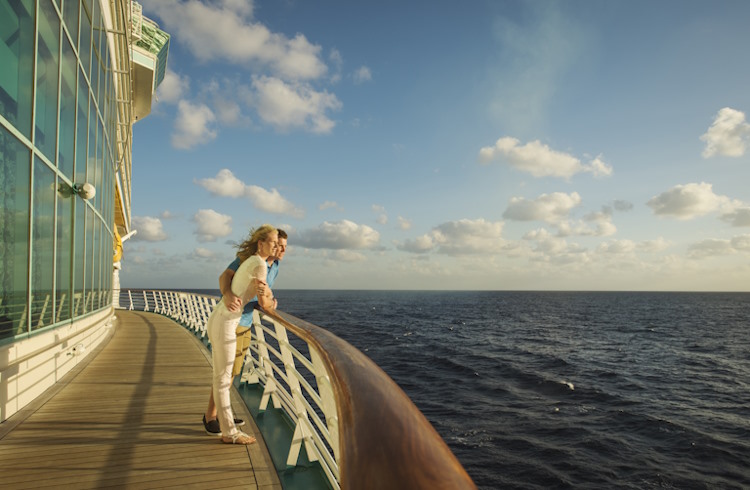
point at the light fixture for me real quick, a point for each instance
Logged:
(86, 191)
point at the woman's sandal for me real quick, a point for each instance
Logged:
(238, 438)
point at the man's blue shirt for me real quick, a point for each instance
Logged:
(247, 312)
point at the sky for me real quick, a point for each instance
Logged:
(473, 145)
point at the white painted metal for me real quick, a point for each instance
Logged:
(292, 381)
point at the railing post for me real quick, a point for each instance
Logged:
(269, 390)
(145, 301)
(301, 431)
(327, 398)
(130, 298)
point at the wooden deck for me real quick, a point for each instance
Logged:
(131, 418)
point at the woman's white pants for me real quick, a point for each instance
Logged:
(221, 333)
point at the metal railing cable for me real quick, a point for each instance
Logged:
(350, 417)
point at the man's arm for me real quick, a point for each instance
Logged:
(265, 296)
(232, 302)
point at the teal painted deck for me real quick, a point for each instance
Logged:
(131, 418)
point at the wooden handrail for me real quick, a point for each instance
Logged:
(385, 441)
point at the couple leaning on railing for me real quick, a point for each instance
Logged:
(351, 418)
(245, 285)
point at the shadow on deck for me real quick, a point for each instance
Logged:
(131, 418)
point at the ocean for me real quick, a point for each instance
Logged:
(585, 390)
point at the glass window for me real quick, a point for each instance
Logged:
(64, 296)
(70, 18)
(17, 61)
(14, 232)
(84, 43)
(42, 235)
(79, 258)
(99, 164)
(65, 160)
(90, 241)
(46, 79)
(82, 129)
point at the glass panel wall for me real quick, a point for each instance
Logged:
(67, 110)
(64, 249)
(56, 103)
(42, 249)
(14, 234)
(46, 78)
(17, 62)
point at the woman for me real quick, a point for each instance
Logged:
(249, 281)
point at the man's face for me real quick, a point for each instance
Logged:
(281, 249)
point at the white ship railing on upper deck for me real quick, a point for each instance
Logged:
(349, 415)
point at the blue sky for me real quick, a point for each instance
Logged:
(577, 145)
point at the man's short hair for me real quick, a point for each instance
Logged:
(282, 233)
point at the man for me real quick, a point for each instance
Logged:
(210, 423)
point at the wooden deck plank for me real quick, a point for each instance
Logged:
(131, 419)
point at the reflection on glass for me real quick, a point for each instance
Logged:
(14, 230)
(42, 251)
(46, 79)
(17, 62)
(84, 41)
(82, 128)
(70, 18)
(88, 296)
(65, 160)
(79, 258)
(64, 296)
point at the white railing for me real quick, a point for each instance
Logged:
(352, 419)
(295, 382)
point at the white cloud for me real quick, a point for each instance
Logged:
(688, 201)
(728, 135)
(594, 224)
(403, 223)
(211, 225)
(653, 246)
(741, 243)
(338, 64)
(422, 244)
(339, 235)
(462, 237)
(617, 247)
(193, 125)
(717, 247)
(287, 106)
(362, 74)
(203, 253)
(225, 184)
(167, 214)
(623, 205)
(172, 88)
(227, 31)
(149, 229)
(347, 256)
(549, 248)
(710, 248)
(550, 208)
(272, 201)
(623, 247)
(540, 160)
(328, 205)
(737, 217)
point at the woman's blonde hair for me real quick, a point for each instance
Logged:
(250, 245)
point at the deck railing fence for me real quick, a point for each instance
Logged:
(348, 414)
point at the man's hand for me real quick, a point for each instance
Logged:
(232, 302)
